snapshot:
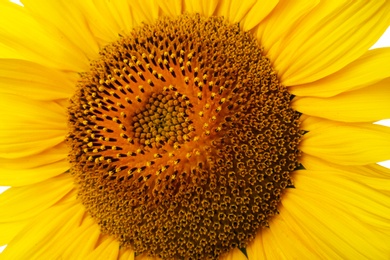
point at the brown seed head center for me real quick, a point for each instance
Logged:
(182, 138)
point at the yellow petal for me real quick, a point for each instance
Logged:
(126, 254)
(304, 239)
(21, 203)
(333, 35)
(43, 237)
(366, 70)
(255, 249)
(108, 249)
(22, 112)
(268, 246)
(9, 230)
(45, 45)
(348, 144)
(30, 126)
(85, 241)
(368, 104)
(234, 254)
(68, 20)
(373, 175)
(59, 246)
(107, 19)
(333, 230)
(144, 11)
(310, 123)
(205, 7)
(25, 148)
(35, 81)
(171, 7)
(280, 21)
(234, 10)
(66, 236)
(257, 13)
(348, 191)
(286, 240)
(36, 168)
(341, 214)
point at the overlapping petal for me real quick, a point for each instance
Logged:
(344, 218)
(347, 144)
(363, 72)
(35, 168)
(31, 126)
(19, 205)
(33, 80)
(332, 35)
(44, 236)
(339, 237)
(72, 28)
(369, 104)
(41, 43)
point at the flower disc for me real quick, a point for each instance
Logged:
(182, 138)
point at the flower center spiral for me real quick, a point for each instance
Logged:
(163, 120)
(182, 138)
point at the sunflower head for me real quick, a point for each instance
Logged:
(195, 129)
(183, 138)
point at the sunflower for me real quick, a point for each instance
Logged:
(194, 130)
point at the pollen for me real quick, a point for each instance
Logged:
(182, 139)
